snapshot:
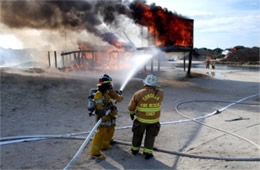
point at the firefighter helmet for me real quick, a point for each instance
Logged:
(103, 84)
(106, 75)
(102, 81)
(151, 80)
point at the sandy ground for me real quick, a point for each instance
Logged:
(47, 102)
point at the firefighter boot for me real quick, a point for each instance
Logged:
(99, 157)
(148, 156)
(134, 152)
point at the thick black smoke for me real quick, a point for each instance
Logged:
(76, 15)
(79, 15)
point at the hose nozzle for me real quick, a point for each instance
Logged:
(120, 92)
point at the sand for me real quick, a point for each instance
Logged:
(49, 102)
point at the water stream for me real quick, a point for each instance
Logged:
(139, 61)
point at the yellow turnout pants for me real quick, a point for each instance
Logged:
(101, 140)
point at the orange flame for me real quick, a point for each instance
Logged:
(166, 28)
(106, 57)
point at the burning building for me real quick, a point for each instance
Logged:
(161, 28)
(166, 28)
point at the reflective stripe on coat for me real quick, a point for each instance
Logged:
(146, 103)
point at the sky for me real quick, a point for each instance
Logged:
(219, 23)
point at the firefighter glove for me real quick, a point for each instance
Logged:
(91, 114)
(113, 107)
(132, 116)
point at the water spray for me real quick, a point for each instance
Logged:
(139, 62)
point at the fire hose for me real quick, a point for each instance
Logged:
(218, 112)
(84, 144)
(18, 139)
(192, 155)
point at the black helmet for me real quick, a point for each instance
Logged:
(103, 84)
(103, 80)
(107, 76)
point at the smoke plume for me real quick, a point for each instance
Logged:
(74, 15)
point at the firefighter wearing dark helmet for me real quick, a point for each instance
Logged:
(116, 96)
(145, 105)
(101, 140)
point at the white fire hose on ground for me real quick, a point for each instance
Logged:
(18, 139)
(84, 144)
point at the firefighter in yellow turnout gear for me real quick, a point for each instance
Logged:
(145, 104)
(117, 97)
(105, 132)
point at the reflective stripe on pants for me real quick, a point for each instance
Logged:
(135, 148)
(149, 151)
(151, 131)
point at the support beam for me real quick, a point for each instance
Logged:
(184, 63)
(55, 58)
(49, 58)
(63, 61)
(189, 67)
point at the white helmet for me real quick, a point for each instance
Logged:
(151, 80)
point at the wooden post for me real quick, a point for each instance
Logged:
(84, 59)
(75, 59)
(49, 58)
(79, 58)
(63, 62)
(184, 63)
(190, 60)
(55, 58)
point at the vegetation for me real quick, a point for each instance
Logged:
(236, 55)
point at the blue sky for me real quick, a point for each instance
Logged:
(220, 23)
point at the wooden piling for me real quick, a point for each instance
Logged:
(55, 58)
(184, 63)
(190, 60)
(63, 61)
(49, 58)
